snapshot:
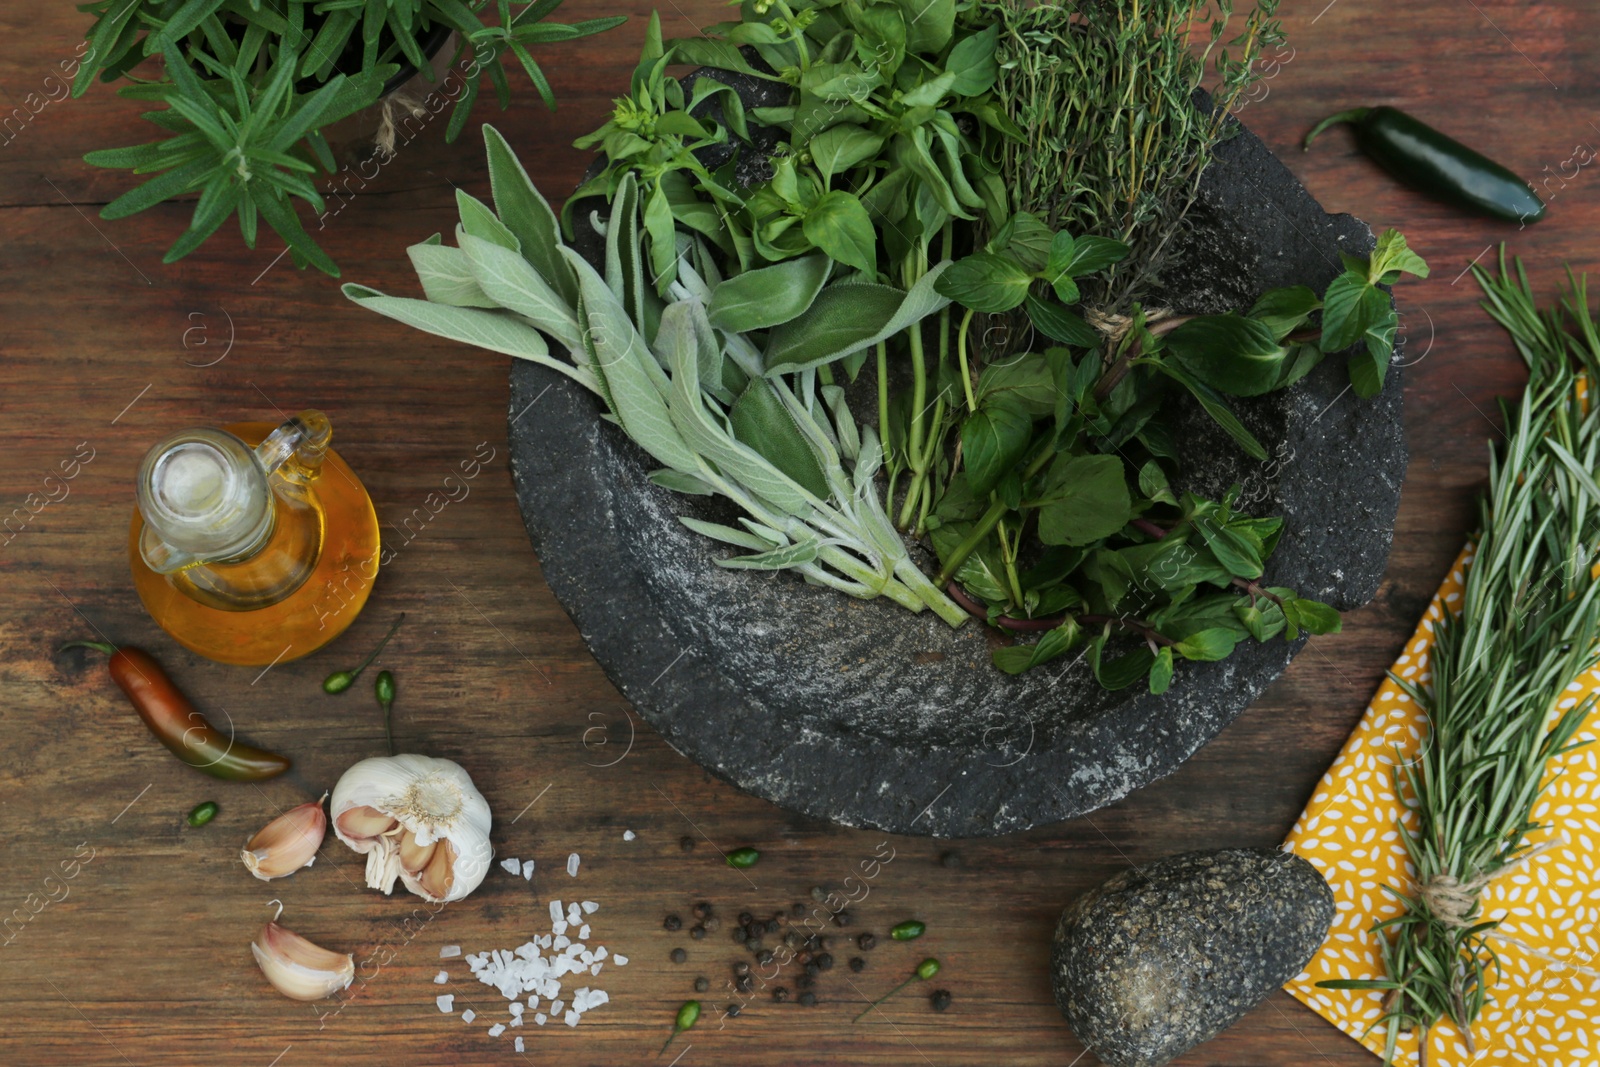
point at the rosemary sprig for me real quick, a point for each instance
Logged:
(1527, 629)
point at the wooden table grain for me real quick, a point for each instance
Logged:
(141, 957)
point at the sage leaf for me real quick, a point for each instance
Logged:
(525, 212)
(993, 439)
(1085, 499)
(726, 534)
(985, 281)
(479, 221)
(446, 276)
(841, 227)
(846, 318)
(768, 296)
(776, 559)
(680, 482)
(508, 279)
(635, 381)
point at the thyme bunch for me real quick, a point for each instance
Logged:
(1527, 629)
(1110, 141)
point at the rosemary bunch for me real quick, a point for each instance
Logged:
(1527, 629)
(1102, 93)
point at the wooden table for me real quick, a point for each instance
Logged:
(144, 960)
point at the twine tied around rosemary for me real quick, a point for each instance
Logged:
(398, 102)
(1452, 902)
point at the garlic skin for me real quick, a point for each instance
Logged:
(299, 969)
(287, 843)
(417, 819)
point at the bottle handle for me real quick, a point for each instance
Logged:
(296, 449)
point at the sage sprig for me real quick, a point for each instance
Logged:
(1500, 669)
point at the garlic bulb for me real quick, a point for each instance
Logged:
(418, 819)
(299, 969)
(287, 843)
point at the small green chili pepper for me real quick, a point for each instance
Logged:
(203, 813)
(383, 687)
(925, 970)
(1436, 164)
(339, 681)
(688, 1015)
(743, 858)
(909, 930)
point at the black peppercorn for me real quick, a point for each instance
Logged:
(797, 910)
(702, 910)
(697, 932)
(804, 981)
(867, 942)
(702, 984)
(825, 961)
(808, 998)
(741, 968)
(780, 994)
(842, 919)
(738, 934)
(764, 958)
(734, 1010)
(813, 968)
(745, 918)
(940, 999)
(950, 859)
(686, 843)
(745, 984)
(857, 964)
(671, 923)
(678, 955)
(771, 926)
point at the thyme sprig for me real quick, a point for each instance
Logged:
(1527, 630)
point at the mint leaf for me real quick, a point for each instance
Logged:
(993, 439)
(1213, 644)
(1059, 324)
(1161, 671)
(1284, 309)
(1351, 306)
(985, 281)
(1230, 353)
(1019, 658)
(1392, 256)
(1316, 616)
(1074, 257)
(1085, 499)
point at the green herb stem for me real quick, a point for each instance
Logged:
(961, 358)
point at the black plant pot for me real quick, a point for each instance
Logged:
(864, 714)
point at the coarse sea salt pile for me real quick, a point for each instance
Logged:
(540, 967)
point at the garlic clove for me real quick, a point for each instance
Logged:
(364, 822)
(299, 969)
(287, 843)
(435, 880)
(414, 857)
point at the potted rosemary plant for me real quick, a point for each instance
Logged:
(247, 88)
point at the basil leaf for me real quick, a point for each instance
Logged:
(973, 62)
(1085, 499)
(847, 318)
(1059, 324)
(837, 149)
(985, 281)
(1284, 309)
(768, 296)
(1230, 353)
(840, 226)
(993, 439)
(929, 24)
(760, 420)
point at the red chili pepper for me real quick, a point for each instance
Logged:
(176, 723)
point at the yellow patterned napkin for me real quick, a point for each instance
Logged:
(1545, 1008)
